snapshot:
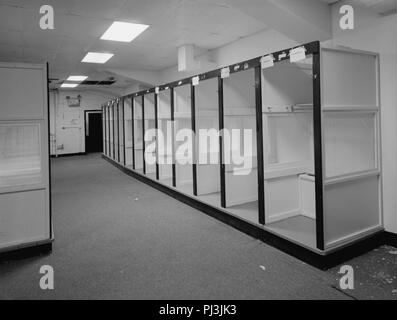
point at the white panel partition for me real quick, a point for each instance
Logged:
(116, 124)
(288, 135)
(24, 156)
(240, 146)
(150, 126)
(349, 79)
(128, 132)
(20, 154)
(22, 80)
(183, 126)
(351, 209)
(165, 138)
(351, 145)
(350, 142)
(111, 133)
(138, 134)
(207, 118)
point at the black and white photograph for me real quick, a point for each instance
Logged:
(203, 157)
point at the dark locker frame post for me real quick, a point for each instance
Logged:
(108, 119)
(193, 125)
(118, 129)
(221, 142)
(259, 145)
(124, 141)
(110, 130)
(156, 126)
(104, 129)
(133, 131)
(143, 135)
(318, 154)
(173, 136)
(114, 128)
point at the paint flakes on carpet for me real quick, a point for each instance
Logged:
(375, 274)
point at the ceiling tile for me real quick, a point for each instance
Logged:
(152, 12)
(11, 18)
(107, 9)
(79, 24)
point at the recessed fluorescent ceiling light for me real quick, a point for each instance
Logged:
(76, 78)
(123, 31)
(97, 57)
(69, 85)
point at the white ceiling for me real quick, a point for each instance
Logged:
(80, 23)
(207, 24)
(383, 7)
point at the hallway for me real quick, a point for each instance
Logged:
(117, 238)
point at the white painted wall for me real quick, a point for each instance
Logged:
(135, 88)
(67, 124)
(376, 33)
(246, 48)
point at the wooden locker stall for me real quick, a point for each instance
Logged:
(207, 142)
(138, 132)
(183, 138)
(287, 104)
(112, 144)
(165, 136)
(239, 143)
(150, 144)
(351, 145)
(121, 131)
(309, 180)
(128, 134)
(116, 126)
(104, 132)
(109, 147)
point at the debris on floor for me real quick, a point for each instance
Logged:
(375, 274)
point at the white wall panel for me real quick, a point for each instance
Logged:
(15, 105)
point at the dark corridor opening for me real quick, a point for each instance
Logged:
(93, 131)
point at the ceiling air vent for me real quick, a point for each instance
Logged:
(108, 82)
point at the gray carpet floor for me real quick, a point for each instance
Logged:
(375, 274)
(117, 238)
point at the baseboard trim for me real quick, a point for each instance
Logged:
(26, 252)
(390, 239)
(69, 155)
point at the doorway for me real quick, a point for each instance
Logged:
(93, 131)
